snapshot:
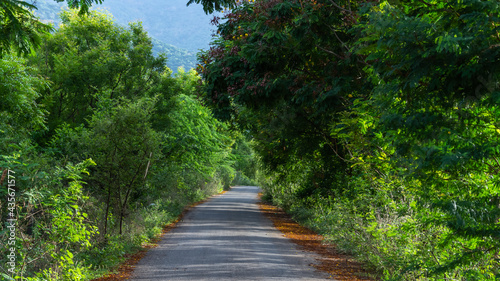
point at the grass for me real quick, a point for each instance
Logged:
(154, 224)
(338, 264)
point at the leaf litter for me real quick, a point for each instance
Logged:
(338, 265)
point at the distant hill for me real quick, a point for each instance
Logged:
(169, 21)
(177, 57)
(177, 30)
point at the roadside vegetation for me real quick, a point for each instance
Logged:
(101, 145)
(377, 124)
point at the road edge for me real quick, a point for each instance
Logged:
(339, 266)
(126, 268)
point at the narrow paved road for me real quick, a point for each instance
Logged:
(227, 238)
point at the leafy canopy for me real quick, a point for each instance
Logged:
(90, 59)
(389, 100)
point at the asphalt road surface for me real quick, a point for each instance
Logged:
(227, 238)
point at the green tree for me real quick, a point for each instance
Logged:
(20, 29)
(20, 113)
(195, 141)
(120, 140)
(90, 58)
(374, 104)
(50, 224)
(435, 66)
(19, 91)
(284, 70)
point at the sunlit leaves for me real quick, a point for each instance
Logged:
(19, 28)
(435, 105)
(90, 58)
(20, 88)
(400, 97)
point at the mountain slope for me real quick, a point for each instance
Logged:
(170, 21)
(177, 30)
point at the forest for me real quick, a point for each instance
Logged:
(377, 123)
(101, 145)
(374, 123)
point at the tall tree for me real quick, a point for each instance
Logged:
(284, 70)
(90, 58)
(123, 144)
(389, 100)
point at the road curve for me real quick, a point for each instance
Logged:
(227, 238)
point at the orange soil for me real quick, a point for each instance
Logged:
(339, 266)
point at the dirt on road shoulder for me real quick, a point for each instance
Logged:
(339, 266)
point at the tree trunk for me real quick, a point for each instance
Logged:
(108, 201)
(123, 207)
